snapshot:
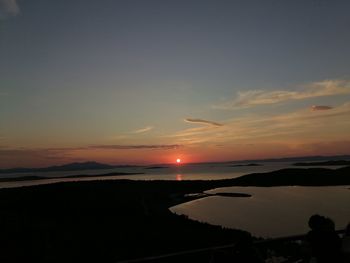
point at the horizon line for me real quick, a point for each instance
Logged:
(188, 163)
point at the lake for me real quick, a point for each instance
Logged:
(271, 211)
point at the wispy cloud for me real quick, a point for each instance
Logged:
(201, 121)
(253, 98)
(136, 147)
(257, 127)
(320, 107)
(143, 130)
(59, 153)
(8, 8)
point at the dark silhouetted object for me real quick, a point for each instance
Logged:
(324, 242)
(346, 244)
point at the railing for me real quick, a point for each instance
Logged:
(209, 250)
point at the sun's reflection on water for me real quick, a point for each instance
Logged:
(179, 177)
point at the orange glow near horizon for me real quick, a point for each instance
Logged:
(179, 177)
(178, 160)
(32, 157)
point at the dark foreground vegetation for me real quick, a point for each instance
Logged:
(107, 221)
(101, 221)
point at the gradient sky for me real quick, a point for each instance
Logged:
(142, 81)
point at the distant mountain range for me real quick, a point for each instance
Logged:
(80, 166)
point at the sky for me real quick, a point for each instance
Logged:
(140, 82)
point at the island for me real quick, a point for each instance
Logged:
(248, 164)
(156, 167)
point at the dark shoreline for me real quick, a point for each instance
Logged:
(111, 220)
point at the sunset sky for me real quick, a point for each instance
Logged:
(143, 81)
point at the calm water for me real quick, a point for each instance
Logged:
(271, 211)
(182, 172)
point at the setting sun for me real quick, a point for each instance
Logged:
(178, 160)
